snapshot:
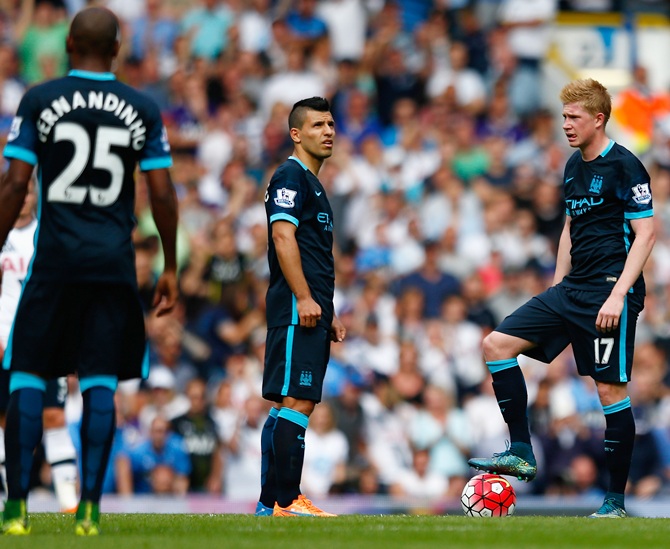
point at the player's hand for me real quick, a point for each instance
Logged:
(309, 312)
(337, 330)
(166, 294)
(609, 314)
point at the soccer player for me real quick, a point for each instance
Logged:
(60, 452)
(299, 302)
(79, 309)
(596, 298)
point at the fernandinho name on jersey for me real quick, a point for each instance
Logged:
(98, 100)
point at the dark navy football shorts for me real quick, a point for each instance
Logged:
(93, 329)
(55, 396)
(561, 316)
(295, 362)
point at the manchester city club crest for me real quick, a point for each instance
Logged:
(596, 185)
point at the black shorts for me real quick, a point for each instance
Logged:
(561, 316)
(87, 328)
(295, 362)
(55, 396)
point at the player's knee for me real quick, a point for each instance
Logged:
(305, 407)
(54, 418)
(493, 347)
(611, 393)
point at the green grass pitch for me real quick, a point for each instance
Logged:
(159, 531)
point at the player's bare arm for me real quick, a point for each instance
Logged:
(164, 208)
(563, 261)
(645, 237)
(13, 189)
(288, 254)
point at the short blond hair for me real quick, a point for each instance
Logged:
(590, 94)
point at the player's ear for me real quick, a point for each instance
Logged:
(69, 44)
(295, 135)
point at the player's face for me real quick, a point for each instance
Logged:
(317, 134)
(580, 127)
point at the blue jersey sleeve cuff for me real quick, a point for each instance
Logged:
(284, 217)
(638, 215)
(149, 164)
(19, 153)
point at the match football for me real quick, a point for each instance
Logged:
(488, 495)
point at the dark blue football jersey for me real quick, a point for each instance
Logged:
(297, 196)
(602, 197)
(86, 133)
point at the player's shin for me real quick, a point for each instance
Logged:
(97, 432)
(512, 396)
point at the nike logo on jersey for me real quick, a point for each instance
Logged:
(569, 179)
(601, 368)
(300, 437)
(317, 193)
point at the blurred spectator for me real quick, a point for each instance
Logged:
(290, 85)
(443, 429)
(349, 419)
(435, 285)
(201, 440)
(159, 465)
(304, 23)
(40, 32)
(326, 452)
(242, 464)
(206, 28)
(163, 399)
(527, 24)
(466, 84)
(388, 447)
(421, 481)
(637, 109)
(358, 120)
(347, 24)
(408, 382)
(255, 26)
(394, 81)
(451, 206)
(154, 33)
(11, 88)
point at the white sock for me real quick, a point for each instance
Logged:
(62, 457)
(3, 471)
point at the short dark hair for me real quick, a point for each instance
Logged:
(95, 31)
(297, 117)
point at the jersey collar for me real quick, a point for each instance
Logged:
(90, 75)
(608, 148)
(299, 162)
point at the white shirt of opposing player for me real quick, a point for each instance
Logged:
(14, 261)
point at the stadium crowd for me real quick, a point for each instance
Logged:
(446, 188)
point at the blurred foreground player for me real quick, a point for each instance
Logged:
(79, 310)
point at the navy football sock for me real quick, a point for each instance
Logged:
(97, 432)
(619, 441)
(288, 441)
(268, 475)
(509, 386)
(23, 432)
